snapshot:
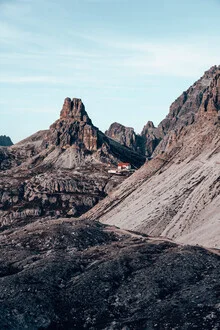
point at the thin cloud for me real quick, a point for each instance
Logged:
(185, 59)
(33, 79)
(26, 109)
(146, 58)
(15, 8)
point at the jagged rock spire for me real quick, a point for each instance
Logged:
(74, 109)
(74, 128)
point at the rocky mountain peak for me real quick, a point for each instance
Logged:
(211, 98)
(74, 127)
(63, 169)
(80, 141)
(151, 136)
(185, 107)
(74, 109)
(147, 127)
(126, 136)
(150, 124)
(199, 101)
(211, 72)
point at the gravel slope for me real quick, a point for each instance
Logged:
(176, 195)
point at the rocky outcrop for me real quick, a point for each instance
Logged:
(82, 275)
(126, 136)
(5, 141)
(151, 136)
(145, 143)
(73, 128)
(202, 97)
(6, 159)
(49, 195)
(211, 97)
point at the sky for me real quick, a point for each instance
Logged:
(128, 60)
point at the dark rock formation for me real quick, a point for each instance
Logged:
(151, 136)
(82, 275)
(5, 141)
(126, 136)
(122, 134)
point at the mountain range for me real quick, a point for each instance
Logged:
(183, 112)
(82, 248)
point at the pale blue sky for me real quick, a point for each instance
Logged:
(127, 60)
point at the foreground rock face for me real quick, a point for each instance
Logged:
(5, 141)
(82, 275)
(60, 171)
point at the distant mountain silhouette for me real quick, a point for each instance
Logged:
(5, 141)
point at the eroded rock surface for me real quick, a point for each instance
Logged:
(82, 275)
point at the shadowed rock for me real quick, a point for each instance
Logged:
(82, 275)
(5, 141)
